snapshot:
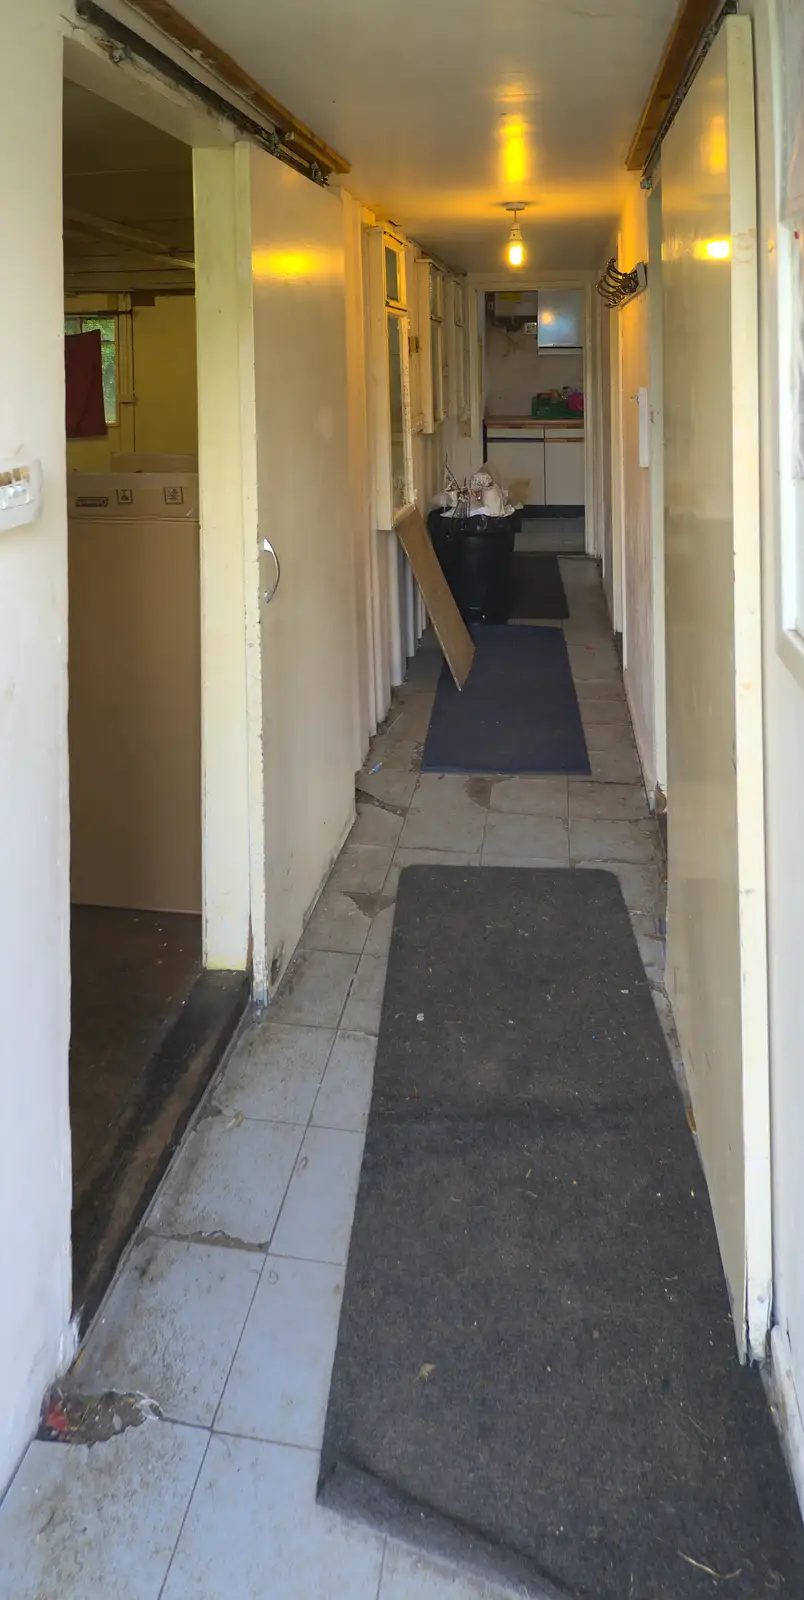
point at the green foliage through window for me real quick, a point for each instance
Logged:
(107, 327)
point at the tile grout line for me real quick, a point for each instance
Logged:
(378, 1595)
(272, 1234)
(190, 1498)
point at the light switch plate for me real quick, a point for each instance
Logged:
(20, 493)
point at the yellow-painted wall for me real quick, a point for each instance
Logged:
(165, 411)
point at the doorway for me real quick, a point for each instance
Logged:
(148, 1022)
(534, 435)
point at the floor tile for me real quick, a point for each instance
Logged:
(523, 838)
(609, 687)
(230, 1178)
(171, 1325)
(642, 887)
(316, 1219)
(337, 923)
(362, 867)
(605, 840)
(427, 858)
(394, 787)
(345, 1094)
(99, 1523)
(443, 816)
(613, 711)
(394, 754)
(378, 942)
(279, 1383)
(254, 1532)
(530, 797)
(375, 825)
(410, 718)
(275, 1072)
(315, 986)
(623, 802)
(615, 766)
(614, 738)
(597, 660)
(407, 1576)
(362, 1010)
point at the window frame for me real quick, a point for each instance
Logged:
(384, 306)
(430, 305)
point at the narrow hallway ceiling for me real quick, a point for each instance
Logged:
(446, 109)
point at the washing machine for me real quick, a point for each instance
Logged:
(135, 690)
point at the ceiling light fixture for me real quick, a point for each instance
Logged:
(516, 249)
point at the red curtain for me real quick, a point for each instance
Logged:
(83, 365)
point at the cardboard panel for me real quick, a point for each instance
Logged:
(451, 631)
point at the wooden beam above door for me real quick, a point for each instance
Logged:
(183, 32)
(692, 20)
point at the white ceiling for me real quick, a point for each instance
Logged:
(446, 109)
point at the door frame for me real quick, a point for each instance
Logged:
(489, 283)
(233, 894)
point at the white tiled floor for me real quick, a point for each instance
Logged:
(226, 1310)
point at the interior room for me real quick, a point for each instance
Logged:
(134, 651)
(534, 411)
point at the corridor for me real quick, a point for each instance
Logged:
(225, 1312)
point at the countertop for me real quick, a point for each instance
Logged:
(534, 422)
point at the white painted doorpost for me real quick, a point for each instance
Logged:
(231, 722)
(716, 959)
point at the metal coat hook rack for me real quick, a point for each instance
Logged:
(616, 287)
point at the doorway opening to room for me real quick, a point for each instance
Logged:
(147, 1022)
(534, 430)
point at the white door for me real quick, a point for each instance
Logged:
(564, 472)
(303, 491)
(519, 464)
(716, 911)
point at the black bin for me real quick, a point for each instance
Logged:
(475, 555)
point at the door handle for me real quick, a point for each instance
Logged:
(268, 594)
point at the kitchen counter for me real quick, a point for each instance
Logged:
(534, 422)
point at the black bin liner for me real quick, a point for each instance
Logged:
(475, 554)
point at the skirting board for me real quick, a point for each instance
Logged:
(553, 511)
(784, 1403)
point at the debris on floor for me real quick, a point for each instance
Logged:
(92, 1418)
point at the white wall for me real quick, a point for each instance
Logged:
(784, 786)
(35, 1177)
(633, 329)
(515, 372)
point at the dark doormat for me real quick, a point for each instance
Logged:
(517, 713)
(537, 587)
(536, 1368)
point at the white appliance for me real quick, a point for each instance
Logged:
(150, 461)
(135, 690)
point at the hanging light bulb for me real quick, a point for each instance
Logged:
(516, 249)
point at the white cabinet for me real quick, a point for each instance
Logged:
(519, 463)
(542, 466)
(564, 470)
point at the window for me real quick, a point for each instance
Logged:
(389, 353)
(437, 341)
(461, 352)
(107, 326)
(396, 385)
(430, 305)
